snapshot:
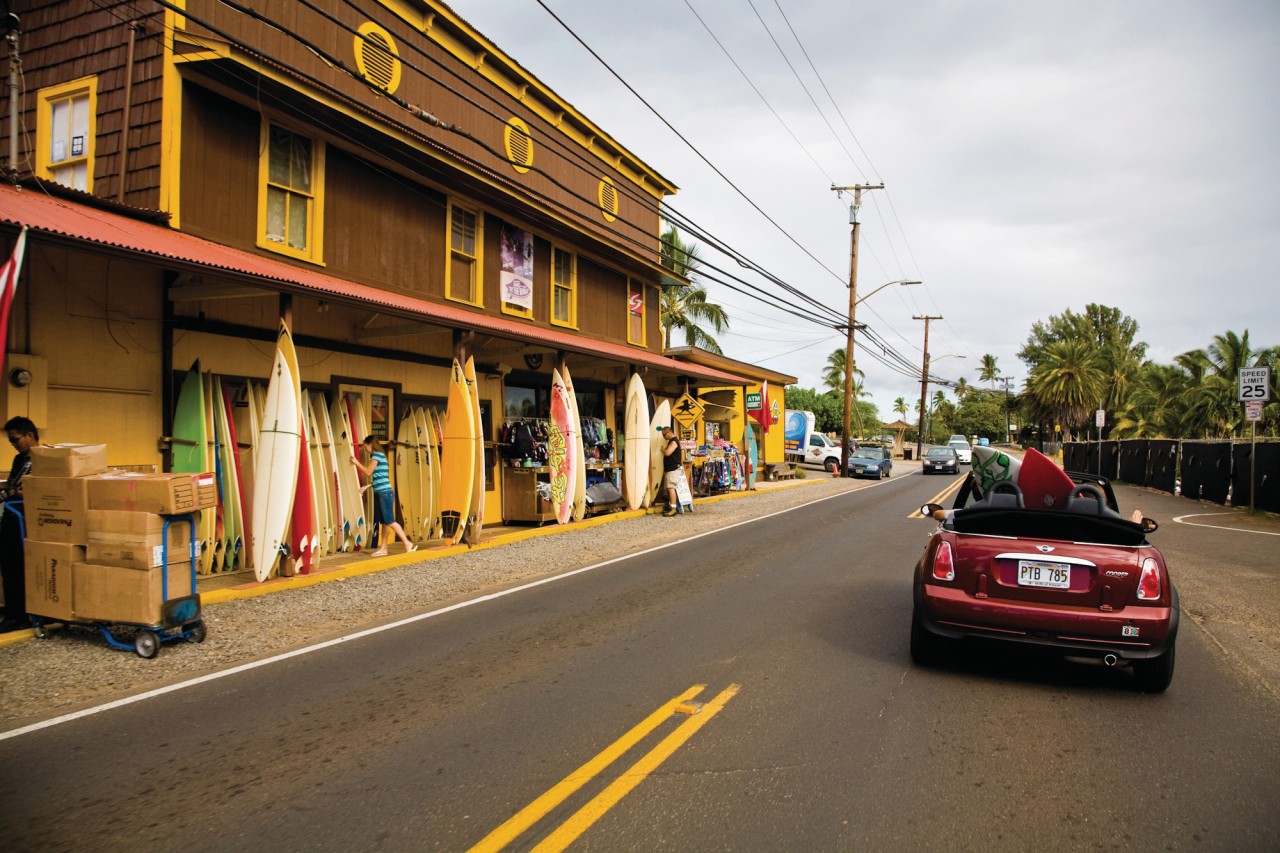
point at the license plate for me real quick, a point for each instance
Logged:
(1052, 575)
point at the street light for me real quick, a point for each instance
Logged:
(854, 301)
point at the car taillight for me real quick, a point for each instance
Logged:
(944, 565)
(1149, 582)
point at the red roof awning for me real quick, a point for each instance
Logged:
(46, 215)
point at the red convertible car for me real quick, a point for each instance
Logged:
(1077, 579)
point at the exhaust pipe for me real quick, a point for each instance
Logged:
(1109, 659)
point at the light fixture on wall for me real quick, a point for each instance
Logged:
(20, 377)
(533, 360)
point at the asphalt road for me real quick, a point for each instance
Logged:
(812, 729)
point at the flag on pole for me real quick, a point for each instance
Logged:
(8, 286)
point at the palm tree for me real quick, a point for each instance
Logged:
(1068, 384)
(686, 308)
(989, 372)
(833, 375)
(963, 389)
(900, 407)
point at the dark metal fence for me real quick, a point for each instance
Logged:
(1217, 471)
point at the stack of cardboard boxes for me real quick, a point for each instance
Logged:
(95, 549)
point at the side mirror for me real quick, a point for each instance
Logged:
(934, 511)
(1149, 525)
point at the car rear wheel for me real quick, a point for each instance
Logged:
(926, 648)
(1154, 675)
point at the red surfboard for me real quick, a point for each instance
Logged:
(1044, 485)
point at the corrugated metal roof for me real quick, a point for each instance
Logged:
(55, 217)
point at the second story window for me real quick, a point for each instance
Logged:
(66, 133)
(465, 241)
(635, 312)
(290, 209)
(564, 288)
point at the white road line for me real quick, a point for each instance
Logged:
(1178, 520)
(368, 632)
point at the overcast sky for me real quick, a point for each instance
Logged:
(1036, 156)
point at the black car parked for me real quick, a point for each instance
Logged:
(941, 460)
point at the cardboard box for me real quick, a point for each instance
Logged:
(50, 590)
(68, 460)
(56, 509)
(116, 594)
(136, 540)
(162, 494)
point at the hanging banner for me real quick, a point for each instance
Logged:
(516, 278)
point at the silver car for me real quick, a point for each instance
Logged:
(963, 450)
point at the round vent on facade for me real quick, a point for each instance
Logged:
(519, 144)
(607, 194)
(377, 58)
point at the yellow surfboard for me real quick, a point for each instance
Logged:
(457, 458)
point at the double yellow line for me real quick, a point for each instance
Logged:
(698, 716)
(941, 497)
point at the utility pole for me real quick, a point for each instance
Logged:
(853, 311)
(924, 382)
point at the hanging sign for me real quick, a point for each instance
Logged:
(755, 401)
(686, 410)
(1253, 410)
(516, 277)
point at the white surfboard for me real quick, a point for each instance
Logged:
(276, 465)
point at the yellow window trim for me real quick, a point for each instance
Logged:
(572, 322)
(478, 258)
(44, 125)
(314, 253)
(644, 325)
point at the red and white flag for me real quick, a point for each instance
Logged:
(8, 286)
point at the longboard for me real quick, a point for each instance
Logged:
(561, 449)
(408, 469)
(661, 417)
(348, 480)
(475, 519)
(276, 465)
(753, 456)
(302, 519)
(457, 458)
(321, 500)
(635, 463)
(189, 448)
(580, 451)
(430, 419)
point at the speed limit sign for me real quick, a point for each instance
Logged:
(1255, 383)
